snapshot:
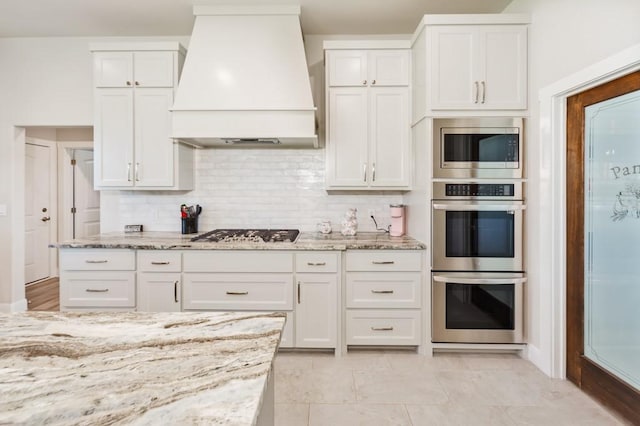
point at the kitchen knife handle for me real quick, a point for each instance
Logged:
(175, 291)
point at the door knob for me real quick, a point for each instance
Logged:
(45, 219)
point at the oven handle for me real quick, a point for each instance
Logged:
(444, 279)
(482, 207)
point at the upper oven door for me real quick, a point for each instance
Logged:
(477, 236)
(477, 148)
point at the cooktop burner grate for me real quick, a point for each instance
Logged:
(249, 236)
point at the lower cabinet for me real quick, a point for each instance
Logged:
(159, 292)
(316, 310)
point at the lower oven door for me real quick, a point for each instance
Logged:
(477, 307)
(477, 236)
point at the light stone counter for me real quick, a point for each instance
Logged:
(306, 241)
(137, 368)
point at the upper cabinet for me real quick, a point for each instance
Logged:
(368, 121)
(384, 67)
(133, 95)
(471, 62)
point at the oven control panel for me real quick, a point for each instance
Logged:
(479, 190)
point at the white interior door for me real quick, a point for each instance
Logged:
(37, 212)
(86, 199)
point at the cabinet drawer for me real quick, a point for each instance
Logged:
(97, 260)
(317, 262)
(238, 261)
(384, 260)
(99, 290)
(383, 290)
(398, 327)
(159, 261)
(253, 292)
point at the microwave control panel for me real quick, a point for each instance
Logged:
(479, 190)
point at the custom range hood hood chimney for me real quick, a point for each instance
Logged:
(245, 81)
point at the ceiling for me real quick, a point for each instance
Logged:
(73, 18)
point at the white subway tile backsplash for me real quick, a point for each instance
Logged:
(257, 188)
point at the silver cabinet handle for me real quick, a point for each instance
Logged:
(93, 290)
(237, 293)
(364, 82)
(382, 328)
(364, 170)
(484, 91)
(383, 262)
(96, 261)
(137, 83)
(298, 292)
(175, 291)
(316, 263)
(137, 172)
(488, 281)
(128, 172)
(475, 83)
(128, 83)
(382, 291)
(373, 172)
(160, 263)
(373, 82)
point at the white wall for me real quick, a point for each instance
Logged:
(565, 37)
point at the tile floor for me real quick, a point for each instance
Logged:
(403, 388)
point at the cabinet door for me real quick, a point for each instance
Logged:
(113, 138)
(153, 148)
(388, 67)
(113, 69)
(454, 49)
(389, 137)
(158, 292)
(503, 67)
(347, 67)
(347, 143)
(153, 69)
(316, 310)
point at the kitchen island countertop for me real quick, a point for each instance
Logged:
(306, 241)
(136, 368)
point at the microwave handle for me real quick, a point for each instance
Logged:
(445, 279)
(479, 207)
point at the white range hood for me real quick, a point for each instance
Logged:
(245, 80)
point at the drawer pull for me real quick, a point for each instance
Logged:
(383, 262)
(316, 263)
(96, 261)
(237, 293)
(382, 291)
(94, 290)
(166, 262)
(382, 328)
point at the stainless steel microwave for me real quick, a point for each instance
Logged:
(486, 147)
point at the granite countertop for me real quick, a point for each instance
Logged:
(306, 241)
(135, 368)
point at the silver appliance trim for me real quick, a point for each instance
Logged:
(475, 169)
(440, 190)
(439, 332)
(439, 259)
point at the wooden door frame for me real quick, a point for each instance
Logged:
(590, 377)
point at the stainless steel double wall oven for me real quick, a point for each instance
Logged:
(477, 231)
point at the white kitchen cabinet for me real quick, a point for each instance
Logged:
(368, 145)
(159, 282)
(380, 67)
(478, 67)
(97, 279)
(316, 300)
(383, 294)
(133, 95)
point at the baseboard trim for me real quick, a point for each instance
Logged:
(18, 306)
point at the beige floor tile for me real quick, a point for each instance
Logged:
(398, 387)
(496, 362)
(373, 360)
(417, 362)
(358, 415)
(562, 415)
(318, 386)
(293, 361)
(458, 414)
(292, 414)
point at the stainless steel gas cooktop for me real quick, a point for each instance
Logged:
(249, 236)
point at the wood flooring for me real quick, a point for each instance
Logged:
(43, 295)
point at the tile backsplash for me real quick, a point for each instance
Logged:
(256, 188)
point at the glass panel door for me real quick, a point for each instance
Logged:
(612, 236)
